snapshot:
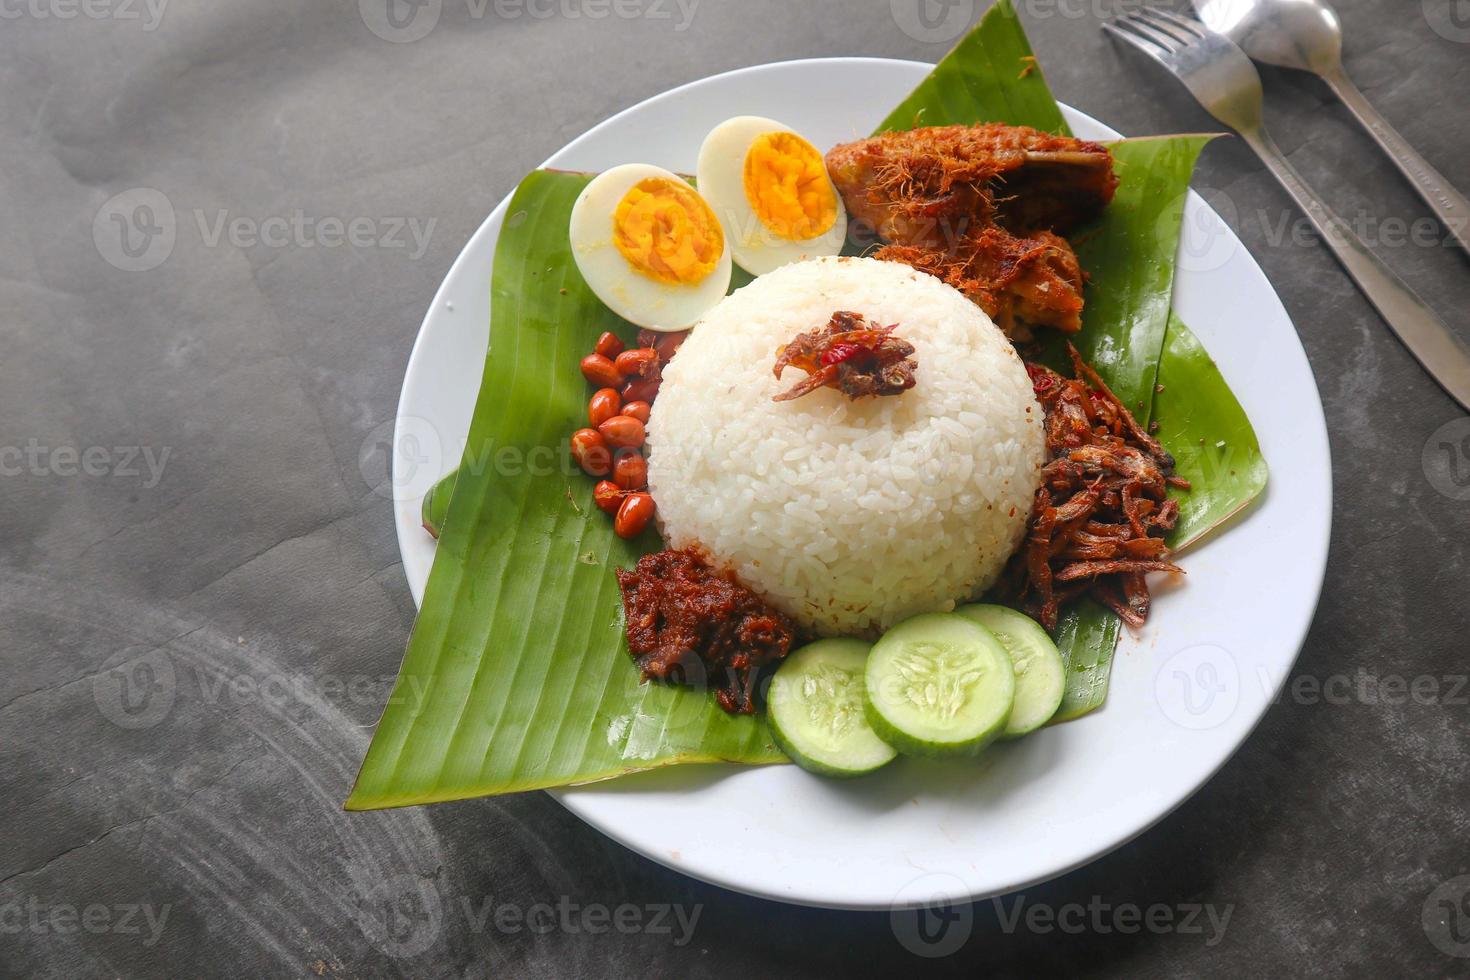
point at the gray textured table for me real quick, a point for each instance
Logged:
(190, 435)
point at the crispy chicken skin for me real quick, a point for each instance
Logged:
(1016, 281)
(983, 208)
(926, 186)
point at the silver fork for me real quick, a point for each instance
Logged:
(1220, 76)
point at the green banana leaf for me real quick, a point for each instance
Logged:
(1202, 424)
(1129, 258)
(990, 76)
(436, 504)
(516, 676)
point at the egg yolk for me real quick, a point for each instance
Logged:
(787, 187)
(667, 232)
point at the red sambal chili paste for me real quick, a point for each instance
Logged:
(689, 624)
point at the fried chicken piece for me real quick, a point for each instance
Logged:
(1016, 281)
(932, 186)
(981, 207)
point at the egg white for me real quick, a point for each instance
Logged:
(721, 176)
(629, 293)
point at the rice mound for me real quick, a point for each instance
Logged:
(849, 516)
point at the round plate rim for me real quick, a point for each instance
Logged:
(583, 803)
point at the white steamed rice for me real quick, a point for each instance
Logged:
(848, 515)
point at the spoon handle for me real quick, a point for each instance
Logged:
(1440, 352)
(1448, 204)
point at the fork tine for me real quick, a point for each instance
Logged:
(1179, 37)
(1152, 32)
(1166, 28)
(1119, 30)
(1188, 25)
(1126, 32)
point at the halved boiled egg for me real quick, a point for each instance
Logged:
(649, 246)
(770, 187)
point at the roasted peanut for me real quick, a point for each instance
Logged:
(609, 346)
(668, 344)
(630, 470)
(622, 432)
(638, 410)
(639, 362)
(604, 405)
(608, 496)
(601, 372)
(641, 389)
(633, 516)
(590, 451)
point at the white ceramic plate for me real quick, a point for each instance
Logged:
(1185, 693)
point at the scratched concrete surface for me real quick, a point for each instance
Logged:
(201, 604)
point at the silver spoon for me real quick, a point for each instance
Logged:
(1306, 35)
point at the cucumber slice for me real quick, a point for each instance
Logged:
(815, 710)
(1040, 675)
(939, 685)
